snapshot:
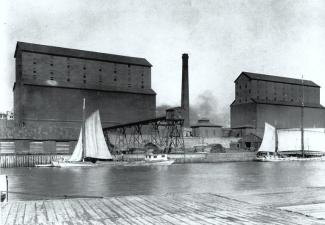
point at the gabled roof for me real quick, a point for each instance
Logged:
(68, 52)
(278, 79)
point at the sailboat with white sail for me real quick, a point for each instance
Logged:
(91, 145)
(286, 144)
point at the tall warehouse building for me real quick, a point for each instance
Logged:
(51, 83)
(277, 100)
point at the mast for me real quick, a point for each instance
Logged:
(83, 130)
(302, 117)
(276, 141)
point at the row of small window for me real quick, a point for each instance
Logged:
(100, 69)
(34, 71)
(85, 81)
(249, 91)
(240, 86)
(258, 97)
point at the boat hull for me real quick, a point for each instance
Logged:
(285, 159)
(151, 163)
(72, 164)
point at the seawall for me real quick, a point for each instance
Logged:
(30, 160)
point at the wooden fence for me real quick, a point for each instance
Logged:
(28, 160)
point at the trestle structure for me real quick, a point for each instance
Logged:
(166, 134)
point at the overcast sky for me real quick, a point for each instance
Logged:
(222, 38)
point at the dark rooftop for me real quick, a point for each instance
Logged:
(204, 122)
(264, 77)
(68, 52)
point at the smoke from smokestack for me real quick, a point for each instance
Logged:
(206, 106)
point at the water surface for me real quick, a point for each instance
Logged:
(49, 183)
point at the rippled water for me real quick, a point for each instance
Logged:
(47, 183)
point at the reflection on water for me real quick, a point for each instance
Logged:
(47, 183)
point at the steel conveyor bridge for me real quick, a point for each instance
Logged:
(165, 133)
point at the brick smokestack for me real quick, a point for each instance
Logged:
(185, 104)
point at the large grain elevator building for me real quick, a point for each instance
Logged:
(51, 83)
(277, 100)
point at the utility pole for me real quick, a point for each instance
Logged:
(302, 117)
(83, 129)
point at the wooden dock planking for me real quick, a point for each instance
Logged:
(201, 209)
(4, 212)
(21, 212)
(315, 210)
(50, 213)
(13, 211)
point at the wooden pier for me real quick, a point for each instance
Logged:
(147, 209)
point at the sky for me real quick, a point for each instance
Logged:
(222, 37)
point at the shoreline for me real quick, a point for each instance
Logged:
(30, 160)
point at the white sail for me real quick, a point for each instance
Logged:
(268, 142)
(96, 146)
(77, 152)
(314, 139)
(289, 139)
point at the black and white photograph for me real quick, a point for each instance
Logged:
(148, 112)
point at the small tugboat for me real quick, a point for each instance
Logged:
(152, 160)
(158, 159)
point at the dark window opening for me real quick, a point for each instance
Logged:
(68, 66)
(68, 79)
(34, 63)
(142, 86)
(84, 67)
(142, 75)
(85, 81)
(84, 76)
(114, 71)
(129, 65)
(129, 85)
(51, 64)
(51, 78)
(239, 86)
(34, 71)
(115, 79)
(249, 91)
(100, 70)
